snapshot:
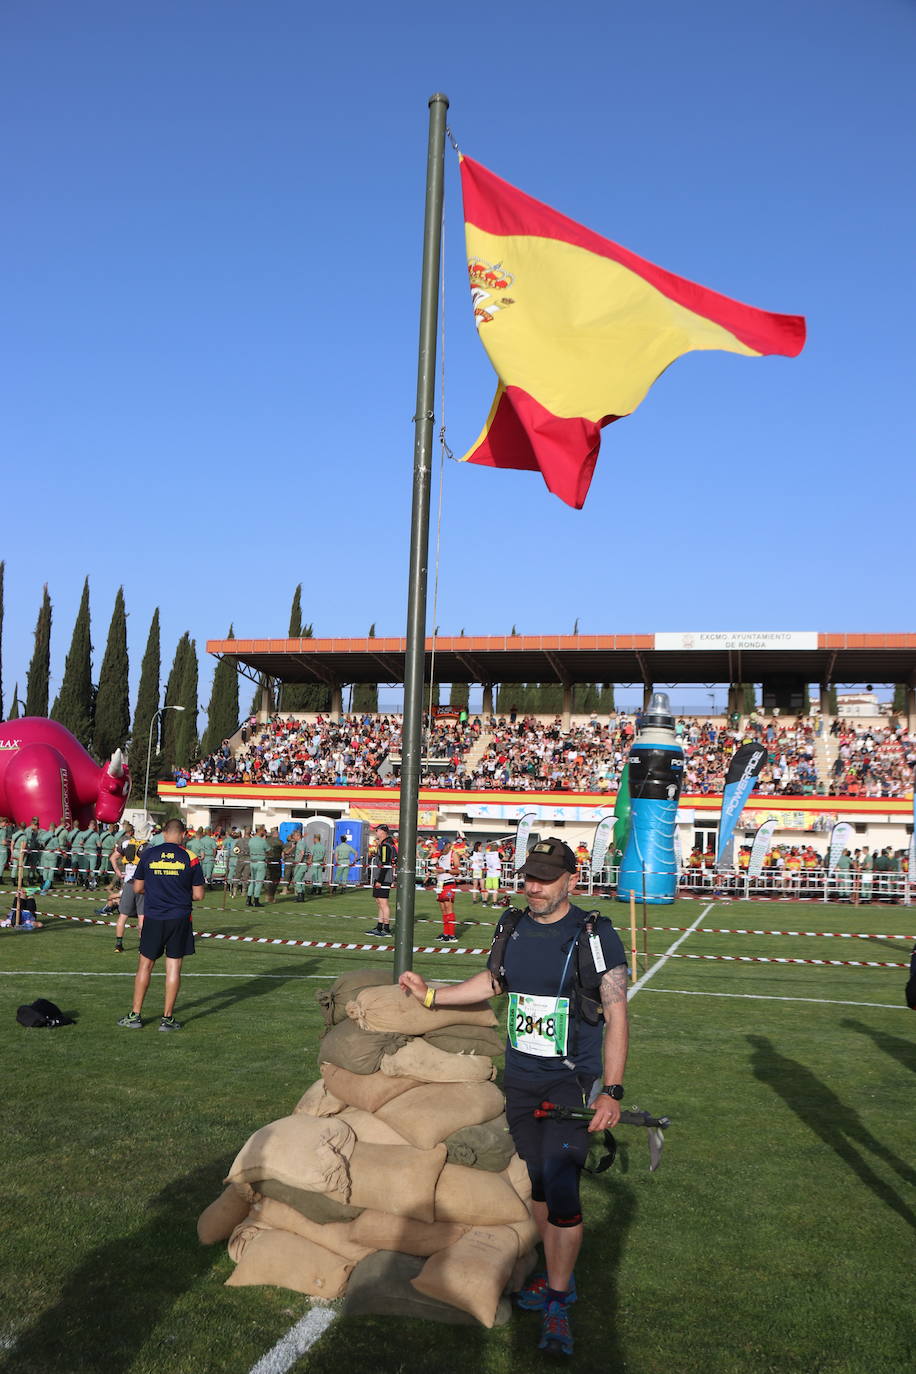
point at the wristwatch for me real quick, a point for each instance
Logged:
(614, 1090)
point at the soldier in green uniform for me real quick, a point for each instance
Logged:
(34, 839)
(81, 858)
(274, 863)
(107, 843)
(49, 858)
(300, 865)
(316, 856)
(6, 834)
(243, 859)
(91, 843)
(257, 860)
(344, 858)
(232, 859)
(70, 852)
(206, 848)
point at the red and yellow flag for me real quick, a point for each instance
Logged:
(579, 328)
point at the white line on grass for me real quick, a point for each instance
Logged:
(649, 973)
(770, 997)
(129, 973)
(298, 1340)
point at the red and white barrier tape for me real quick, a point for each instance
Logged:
(453, 949)
(270, 940)
(821, 934)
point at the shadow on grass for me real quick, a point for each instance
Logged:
(902, 1050)
(259, 984)
(829, 1117)
(122, 1290)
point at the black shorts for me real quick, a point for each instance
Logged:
(174, 939)
(382, 885)
(554, 1151)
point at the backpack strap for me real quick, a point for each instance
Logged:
(496, 963)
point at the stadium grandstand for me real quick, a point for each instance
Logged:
(480, 770)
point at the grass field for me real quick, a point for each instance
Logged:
(776, 1236)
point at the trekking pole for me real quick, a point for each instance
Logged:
(655, 1126)
(18, 920)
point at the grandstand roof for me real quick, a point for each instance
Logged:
(650, 658)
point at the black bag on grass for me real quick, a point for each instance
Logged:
(42, 1013)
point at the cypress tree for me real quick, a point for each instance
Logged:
(36, 685)
(223, 711)
(112, 703)
(296, 696)
(898, 706)
(168, 721)
(187, 745)
(365, 694)
(460, 695)
(147, 705)
(74, 704)
(607, 697)
(14, 708)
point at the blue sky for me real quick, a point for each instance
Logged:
(211, 246)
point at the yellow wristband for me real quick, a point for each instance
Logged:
(430, 999)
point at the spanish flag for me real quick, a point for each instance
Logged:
(579, 328)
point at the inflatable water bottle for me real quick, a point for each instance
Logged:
(649, 864)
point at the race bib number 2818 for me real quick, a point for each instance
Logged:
(538, 1025)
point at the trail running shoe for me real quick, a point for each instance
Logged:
(119, 947)
(556, 1337)
(131, 1021)
(534, 1294)
(448, 939)
(168, 1023)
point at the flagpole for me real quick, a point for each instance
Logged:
(419, 538)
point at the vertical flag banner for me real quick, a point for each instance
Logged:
(578, 328)
(841, 837)
(622, 814)
(740, 780)
(759, 848)
(603, 832)
(521, 838)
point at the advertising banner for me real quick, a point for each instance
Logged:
(603, 832)
(760, 847)
(521, 839)
(740, 781)
(841, 837)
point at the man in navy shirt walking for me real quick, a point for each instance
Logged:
(170, 879)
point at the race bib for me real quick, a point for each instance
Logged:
(538, 1025)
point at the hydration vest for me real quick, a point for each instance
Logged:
(586, 999)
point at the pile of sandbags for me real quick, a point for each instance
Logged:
(394, 1180)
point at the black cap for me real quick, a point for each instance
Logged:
(549, 860)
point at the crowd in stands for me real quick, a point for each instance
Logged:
(530, 754)
(352, 751)
(872, 761)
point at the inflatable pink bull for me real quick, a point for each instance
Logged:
(46, 772)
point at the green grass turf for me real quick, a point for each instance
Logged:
(777, 1234)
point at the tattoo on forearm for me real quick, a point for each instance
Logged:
(614, 987)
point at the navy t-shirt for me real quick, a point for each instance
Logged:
(169, 872)
(534, 961)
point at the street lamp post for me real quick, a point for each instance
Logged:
(149, 751)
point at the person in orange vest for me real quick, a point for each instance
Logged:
(583, 855)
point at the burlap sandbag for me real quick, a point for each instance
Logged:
(219, 1220)
(336, 1235)
(358, 1050)
(368, 1091)
(489, 1040)
(525, 1265)
(429, 1114)
(333, 1000)
(417, 1059)
(323, 1208)
(369, 1130)
(399, 1177)
(487, 1146)
(392, 1009)
(477, 1198)
(381, 1285)
(473, 1272)
(528, 1234)
(517, 1176)
(318, 1101)
(302, 1151)
(280, 1259)
(382, 1231)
